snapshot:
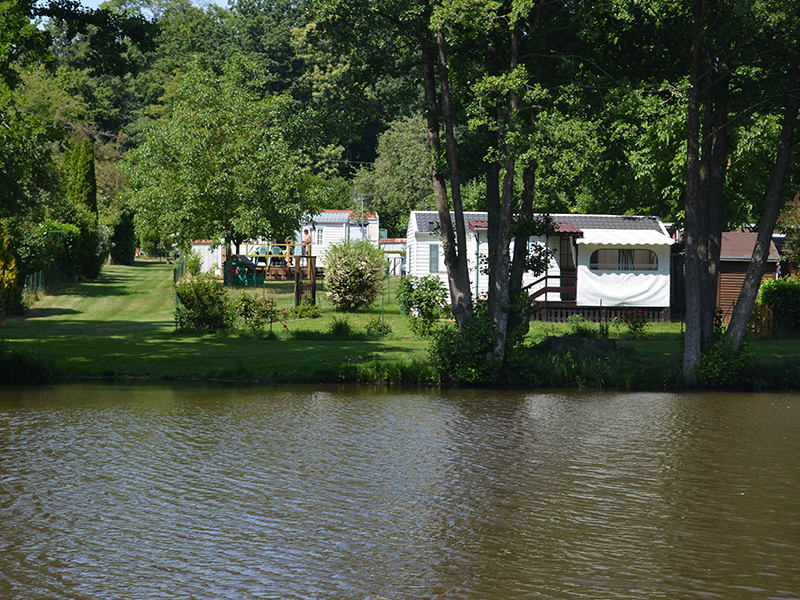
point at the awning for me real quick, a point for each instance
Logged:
(624, 237)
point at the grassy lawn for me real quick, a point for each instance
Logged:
(122, 325)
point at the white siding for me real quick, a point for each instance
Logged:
(212, 257)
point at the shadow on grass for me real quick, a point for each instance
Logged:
(105, 285)
(155, 350)
(43, 313)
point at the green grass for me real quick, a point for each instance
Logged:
(122, 325)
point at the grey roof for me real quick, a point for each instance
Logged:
(329, 216)
(427, 221)
(336, 216)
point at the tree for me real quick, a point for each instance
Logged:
(80, 190)
(750, 48)
(220, 167)
(400, 178)
(486, 56)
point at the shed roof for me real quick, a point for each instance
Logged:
(738, 246)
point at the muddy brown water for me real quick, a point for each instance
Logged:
(156, 491)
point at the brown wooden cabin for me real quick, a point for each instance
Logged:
(737, 248)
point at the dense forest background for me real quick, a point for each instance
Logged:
(148, 119)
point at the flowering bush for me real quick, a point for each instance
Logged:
(354, 274)
(636, 321)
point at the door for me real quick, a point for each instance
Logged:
(569, 272)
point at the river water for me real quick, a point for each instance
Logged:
(152, 491)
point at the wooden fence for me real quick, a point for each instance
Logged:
(762, 322)
(598, 314)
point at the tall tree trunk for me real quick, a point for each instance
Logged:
(692, 350)
(500, 226)
(518, 315)
(755, 270)
(716, 184)
(708, 296)
(453, 241)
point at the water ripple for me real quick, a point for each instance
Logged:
(202, 492)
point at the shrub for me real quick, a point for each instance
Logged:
(377, 328)
(461, 356)
(784, 295)
(256, 311)
(9, 274)
(28, 364)
(194, 263)
(353, 274)
(340, 329)
(583, 329)
(636, 321)
(424, 300)
(721, 366)
(305, 310)
(204, 304)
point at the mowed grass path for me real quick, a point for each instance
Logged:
(122, 325)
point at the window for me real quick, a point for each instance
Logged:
(613, 259)
(434, 258)
(319, 237)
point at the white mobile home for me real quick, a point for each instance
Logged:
(598, 260)
(333, 226)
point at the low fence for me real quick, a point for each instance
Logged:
(597, 314)
(762, 322)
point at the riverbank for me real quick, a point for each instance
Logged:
(122, 326)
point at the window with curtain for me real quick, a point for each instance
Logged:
(626, 260)
(613, 259)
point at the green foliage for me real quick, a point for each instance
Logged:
(636, 321)
(80, 188)
(256, 311)
(9, 274)
(340, 329)
(378, 327)
(584, 329)
(465, 356)
(424, 300)
(354, 273)
(204, 304)
(123, 242)
(789, 223)
(784, 295)
(81, 180)
(397, 372)
(400, 177)
(194, 263)
(220, 167)
(306, 309)
(721, 366)
(29, 364)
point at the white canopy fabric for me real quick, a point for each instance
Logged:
(622, 289)
(624, 237)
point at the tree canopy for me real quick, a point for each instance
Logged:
(219, 167)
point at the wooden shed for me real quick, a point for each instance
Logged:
(737, 248)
